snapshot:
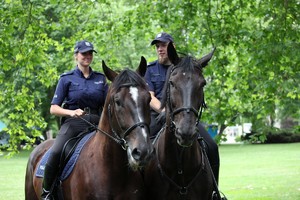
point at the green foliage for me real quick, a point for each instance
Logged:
(253, 75)
(258, 138)
(220, 138)
(282, 137)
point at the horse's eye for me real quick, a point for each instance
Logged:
(117, 101)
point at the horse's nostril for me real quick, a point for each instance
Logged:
(136, 154)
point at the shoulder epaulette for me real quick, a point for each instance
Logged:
(151, 63)
(67, 73)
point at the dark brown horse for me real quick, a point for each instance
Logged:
(180, 170)
(107, 167)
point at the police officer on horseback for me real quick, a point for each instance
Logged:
(80, 93)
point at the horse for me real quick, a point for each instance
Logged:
(109, 165)
(181, 170)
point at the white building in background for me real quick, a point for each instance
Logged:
(233, 132)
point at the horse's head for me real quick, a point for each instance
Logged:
(128, 109)
(184, 96)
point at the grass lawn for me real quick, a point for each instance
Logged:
(248, 172)
(260, 172)
(12, 176)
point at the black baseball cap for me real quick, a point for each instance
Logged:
(83, 46)
(162, 37)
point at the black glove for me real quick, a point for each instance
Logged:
(161, 118)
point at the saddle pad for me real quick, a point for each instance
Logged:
(70, 164)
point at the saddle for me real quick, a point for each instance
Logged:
(69, 157)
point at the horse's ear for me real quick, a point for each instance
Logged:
(109, 73)
(141, 70)
(172, 54)
(205, 59)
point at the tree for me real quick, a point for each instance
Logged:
(254, 73)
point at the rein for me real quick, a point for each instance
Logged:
(105, 133)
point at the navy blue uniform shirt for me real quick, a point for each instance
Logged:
(76, 91)
(155, 78)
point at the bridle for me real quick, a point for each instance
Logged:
(119, 138)
(197, 113)
(183, 190)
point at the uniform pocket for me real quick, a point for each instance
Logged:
(74, 87)
(158, 81)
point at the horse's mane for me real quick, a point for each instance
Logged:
(127, 77)
(188, 64)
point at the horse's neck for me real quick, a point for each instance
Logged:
(106, 141)
(167, 147)
(170, 153)
(104, 123)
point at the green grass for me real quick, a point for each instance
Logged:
(260, 172)
(248, 172)
(12, 176)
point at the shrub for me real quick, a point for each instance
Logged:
(284, 137)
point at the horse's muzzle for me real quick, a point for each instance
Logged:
(186, 135)
(140, 157)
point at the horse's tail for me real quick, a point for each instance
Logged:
(30, 193)
(33, 185)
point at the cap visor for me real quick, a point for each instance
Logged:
(86, 50)
(159, 40)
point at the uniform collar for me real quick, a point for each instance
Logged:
(79, 73)
(166, 66)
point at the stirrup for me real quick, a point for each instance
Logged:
(215, 196)
(46, 195)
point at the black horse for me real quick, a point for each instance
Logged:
(181, 170)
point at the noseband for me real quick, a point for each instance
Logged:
(117, 137)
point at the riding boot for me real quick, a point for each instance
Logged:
(48, 181)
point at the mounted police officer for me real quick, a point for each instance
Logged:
(79, 93)
(155, 78)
